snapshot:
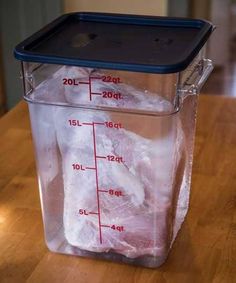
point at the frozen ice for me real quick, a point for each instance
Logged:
(150, 209)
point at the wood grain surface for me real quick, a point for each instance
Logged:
(205, 248)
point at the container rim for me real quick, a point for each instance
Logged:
(176, 109)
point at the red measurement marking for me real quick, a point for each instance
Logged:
(96, 93)
(118, 228)
(90, 89)
(115, 227)
(90, 168)
(93, 213)
(108, 226)
(95, 123)
(114, 158)
(111, 158)
(77, 166)
(84, 83)
(74, 123)
(67, 81)
(104, 157)
(87, 124)
(83, 212)
(113, 192)
(98, 123)
(116, 193)
(96, 173)
(112, 95)
(110, 79)
(110, 124)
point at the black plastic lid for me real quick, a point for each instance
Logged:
(115, 41)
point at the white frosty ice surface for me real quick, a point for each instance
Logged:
(148, 207)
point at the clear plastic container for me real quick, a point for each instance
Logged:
(114, 153)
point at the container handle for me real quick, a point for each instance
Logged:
(196, 78)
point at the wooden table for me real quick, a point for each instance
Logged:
(204, 251)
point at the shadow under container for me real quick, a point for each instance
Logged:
(112, 101)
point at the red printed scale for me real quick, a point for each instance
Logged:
(110, 158)
(104, 94)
